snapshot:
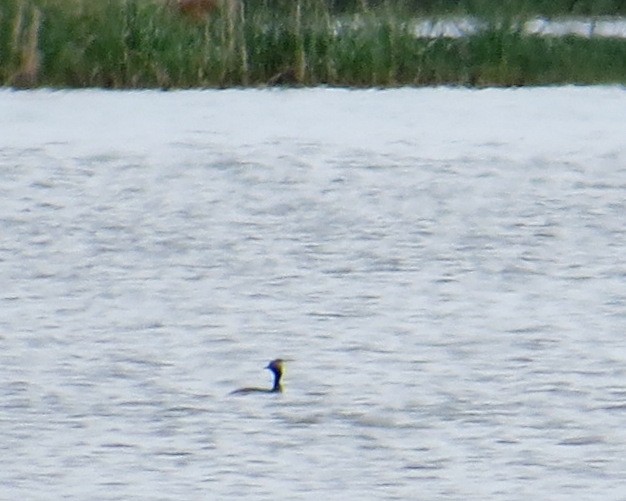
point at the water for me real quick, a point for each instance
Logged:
(604, 27)
(443, 269)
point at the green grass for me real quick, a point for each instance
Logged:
(146, 44)
(508, 7)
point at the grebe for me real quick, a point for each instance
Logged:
(276, 366)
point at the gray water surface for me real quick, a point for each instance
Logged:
(454, 327)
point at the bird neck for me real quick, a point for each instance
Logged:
(277, 386)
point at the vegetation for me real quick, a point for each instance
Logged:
(149, 43)
(516, 7)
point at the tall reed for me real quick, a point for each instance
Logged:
(19, 38)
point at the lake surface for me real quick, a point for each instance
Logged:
(603, 27)
(443, 269)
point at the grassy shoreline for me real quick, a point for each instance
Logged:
(147, 44)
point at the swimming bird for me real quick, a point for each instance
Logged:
(276, 366)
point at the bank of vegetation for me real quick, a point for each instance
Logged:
(359, 43)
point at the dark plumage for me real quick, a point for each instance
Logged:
(276, 366)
